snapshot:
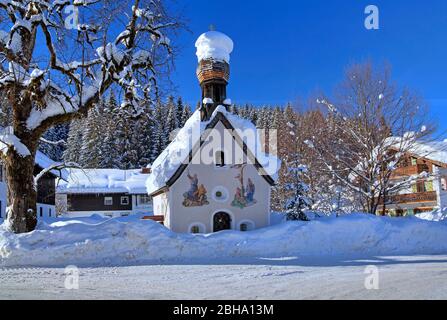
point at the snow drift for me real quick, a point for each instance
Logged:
(437, 215)
(129, 241)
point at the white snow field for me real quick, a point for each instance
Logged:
(129, 258)
(98, 241)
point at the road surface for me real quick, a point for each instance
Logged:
(421, 277)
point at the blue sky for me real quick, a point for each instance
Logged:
(287, 50)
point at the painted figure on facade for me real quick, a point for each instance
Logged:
(196, 195)
(244, 196)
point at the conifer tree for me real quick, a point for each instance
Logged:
(107, 149)
(74, 141)
(172, 118)
(90, 156)
(298, 201)
(179, 112)
(185, 115)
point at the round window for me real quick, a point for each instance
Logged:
(220, 194)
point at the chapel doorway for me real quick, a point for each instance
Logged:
(221, 221)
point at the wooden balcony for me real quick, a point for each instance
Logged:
(159, 219)
(411, 170)
(413, 197)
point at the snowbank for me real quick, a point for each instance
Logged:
(129, 241)
(437, 215)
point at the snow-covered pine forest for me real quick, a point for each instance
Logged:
(114, 136)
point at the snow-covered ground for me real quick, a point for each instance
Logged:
(437, 215)
(98, 241)
(128, 258)
(420, 277)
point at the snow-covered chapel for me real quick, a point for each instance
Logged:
(214, 175)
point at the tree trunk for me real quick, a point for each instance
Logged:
(22, 194)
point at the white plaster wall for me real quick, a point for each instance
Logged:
(47, 210)
(161, 207)
(3, 199)
(181, 217)
(84, 214)
(442, 194)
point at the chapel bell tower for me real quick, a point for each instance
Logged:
(213, 71)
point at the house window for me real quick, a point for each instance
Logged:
(423, 186)
(246, 226)
(1, 208)
(420, 186)
(220, 159)
(220, 194)
(124, 201)
(414, 161)
(144, 200)
(195, 229)
(444, 183)
(49, 212)
(414, 188)
(1, 172)
(108, 201)
(41, 211)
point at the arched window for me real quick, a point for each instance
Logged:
(197, 228)
(220, 159)
(246, 226)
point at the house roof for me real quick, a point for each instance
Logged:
(175, 158)
(435, 151)
(45, 162)
(431, 150)
(88, 181)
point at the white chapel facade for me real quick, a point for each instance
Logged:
(213, 176)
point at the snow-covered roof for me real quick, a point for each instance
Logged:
(104, 181)
(432, 150)
(214, 45)
(45, 162)
(177, 152)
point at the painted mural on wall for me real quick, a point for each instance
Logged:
(244, 195)
(196, 195)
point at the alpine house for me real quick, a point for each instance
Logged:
(214, 175)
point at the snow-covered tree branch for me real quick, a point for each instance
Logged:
(52, 72)
(372, 128)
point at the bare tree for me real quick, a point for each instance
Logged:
(371, 126)
(52, 74)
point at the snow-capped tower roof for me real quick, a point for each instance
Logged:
(214, 45)
(213, 71)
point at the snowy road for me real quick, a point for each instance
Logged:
(423, 277)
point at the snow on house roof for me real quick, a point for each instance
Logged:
(177, 152)
(104, 181)
(214, 45)
(432, 150)
(436, 150)
(45, 162)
